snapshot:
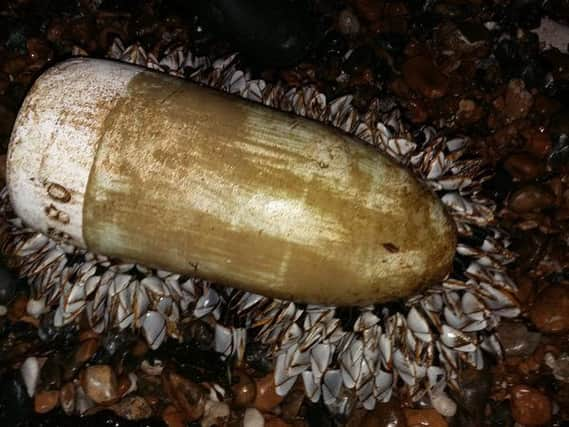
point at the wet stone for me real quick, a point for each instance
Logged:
(550, 313)
(86, 350)
(51, 373)
(266, 397)
(530, 406)
(276, 422)
(422, 75)
(424, 418)
(14, 400)
(531, 198)
(253, 418)
(385, 414)
(517, 100)
(46, 401)
(67, 398)
(516, 340)
(133, 408)
(215, 413)
(524, 167)
(188, 396)
(172, 417)
(100, 383)
(243, 390)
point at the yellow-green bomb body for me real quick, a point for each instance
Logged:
(153, 169)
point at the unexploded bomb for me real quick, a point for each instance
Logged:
(416, 349)
(142, 166)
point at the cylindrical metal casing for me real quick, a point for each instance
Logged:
(150, 168)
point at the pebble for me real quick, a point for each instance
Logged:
(385, 414)
(51, 373)
(421, 74)
(188, 396)
(215, 414)
(266, 397)
(271, 34)
(559, 366)
(524, 167)
(516, 340)
(517, 100)
(14, 399)
(348, 22)
(476, 386)
(424, 418)
(172, 417)
(100, 383)
(276, 422)
(253, 418)
(550, 313)
(67, 398)
(531, 198)
(244, 390)
(530, 406)
(46, 401)
(133, 408)
(86, 351)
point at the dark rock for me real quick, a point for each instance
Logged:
(64, 338)
(271, 34)
(516, 340)
(15, 405)
(476, 388)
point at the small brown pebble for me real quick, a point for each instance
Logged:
(421, 74)
(524, 167)
(417, 111)
(276, 422)
(14, 65)
(86, 350)
(424, 418)
(215, 414)
(385, 414)
(67, 398)
(517, 100)
(124, 384)
(531, 198)
(139, 349)
(46, 401)
(530, 406)
(100, 383)
(17, 309)
(39, 51)
(538, 142)
(348, 22)
(133, 408)
(244, 390)
(187, 396)
(550, 313)
(468, 111)
(172, 417)
(89, 333)
(266, 397)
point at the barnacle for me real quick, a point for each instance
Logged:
(415, 350)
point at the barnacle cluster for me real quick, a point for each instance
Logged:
(416, 348)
